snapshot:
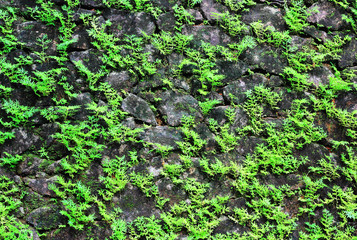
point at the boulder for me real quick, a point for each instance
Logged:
(209, 7)
(327, 14)
(162, 135)
(266, 57)
(45, 218)
(175, 105)
(124, 23)
(269, 16)
(139, 108)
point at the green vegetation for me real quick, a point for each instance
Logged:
(281, 163)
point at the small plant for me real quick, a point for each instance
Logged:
(247, 42)
(6, 135)
(206, 75)
(116, 178)
(241, 5)
(19, 114)
(298, 80)
(182, 17)
(270, 35)
(296, 16)
(10, 160)
(11, 227)
(192, 143)
(208, 105)
(232, 24)
(119, 229)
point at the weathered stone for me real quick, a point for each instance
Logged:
(209, 7)
(247, 145)
(315, 33)
(348, 55)
(81, 11)
(92, 3)
(134, 203)
(83, 40)
(124, 23)
(275, 81)
(46, 218)
(29, 166)
(298, 43)
(210, 34)
(162, 135)
(196, 14)
(175, 106)
(327, 14)
(267, 58)
(41, 185)
(54, 167)
(167, 5)
(347, 101)
(314, 152)
(287, 97)
(268, 15)
(120, 81)
(169, 190)
(242, 85)
(231, 70)
(46, 132)
(89, 58)
(82, 100)
(166, 22)
(228, 158)
(320, 76)
(219, 114)
(30, 32)
(139, 109)
(23, 141)
(206, 135)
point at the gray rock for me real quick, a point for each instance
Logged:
(269, 16)
(92, 3)
(209, 7)
(29, 166)
(175, 106)
(169, 190)
(82, 100)
(267, 58)
(23, 141)
(88, 58)
(247, 145)
(242, 85)
(120, 81)
(28, 33)
(166, 22)
(41, 185)
(314, 152)
(83, 41)
(129, 23)
(46, 218)
(347, 101)
(162, 135)
(196, 14)
(315, 33)
(320, 76)
(134, 203)
(139, 108)
(327, 14)
(210, 34)
(348, 55)
(206, 135)
(231, 70)
(166, 4)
